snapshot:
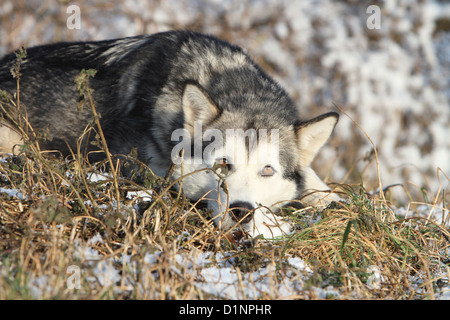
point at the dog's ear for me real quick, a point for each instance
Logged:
(197, 106)
(312, 135)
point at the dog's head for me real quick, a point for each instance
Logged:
(258, 162)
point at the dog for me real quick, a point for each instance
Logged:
(188, 101)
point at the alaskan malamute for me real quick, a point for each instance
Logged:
(185, 94)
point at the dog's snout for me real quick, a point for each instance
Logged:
(241, 211)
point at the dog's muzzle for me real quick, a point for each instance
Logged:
(241, 212)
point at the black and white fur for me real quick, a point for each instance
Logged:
(146, 87)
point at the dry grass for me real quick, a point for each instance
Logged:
(67, 236)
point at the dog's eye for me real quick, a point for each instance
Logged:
(222, 166)
(222, 162)
(268, 171)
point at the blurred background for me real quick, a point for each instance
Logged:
(384, 64)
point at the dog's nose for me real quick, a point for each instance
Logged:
(240, 211)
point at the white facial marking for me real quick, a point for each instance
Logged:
(254, 177)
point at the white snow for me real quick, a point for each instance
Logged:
(14, 193)
(215, 275)
(143, 195)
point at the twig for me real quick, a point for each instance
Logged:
(380, 188)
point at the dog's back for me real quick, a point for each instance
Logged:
(48, 90)
(132, 75)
